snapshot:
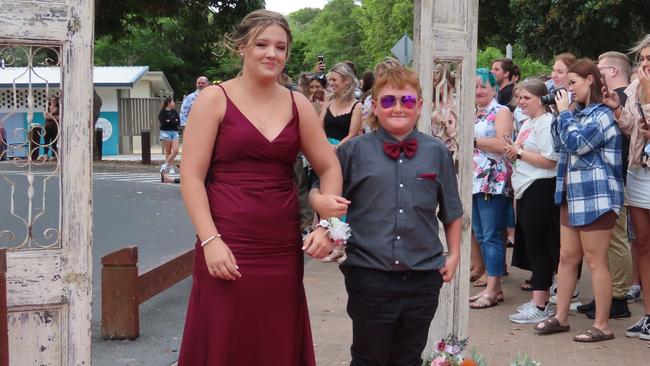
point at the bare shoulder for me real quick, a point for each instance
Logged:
(301, 100)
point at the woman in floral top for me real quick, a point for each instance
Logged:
(492, 192)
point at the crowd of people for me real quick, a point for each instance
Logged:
(569, 153)
(559, 165)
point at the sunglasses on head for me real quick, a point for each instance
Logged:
(407, 101)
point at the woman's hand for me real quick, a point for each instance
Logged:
(610, 98)
(644, 81)
(220, 261)
(329, 205)
(643, 130)
(562, 100)
(317, 244)
(511, 149)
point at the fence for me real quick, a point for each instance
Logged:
(124, 288)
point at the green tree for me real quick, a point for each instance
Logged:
(584, 27)
(332, 33)
(183, 36)
(382, 23)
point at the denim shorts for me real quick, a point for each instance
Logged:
(168, 135)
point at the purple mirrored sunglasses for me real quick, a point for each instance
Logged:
(407, 101)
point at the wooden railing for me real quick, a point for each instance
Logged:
(4, 330)
(124, 289)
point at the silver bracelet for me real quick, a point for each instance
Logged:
(206, 241)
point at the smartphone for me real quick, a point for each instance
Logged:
(644, 121)
(321, 59)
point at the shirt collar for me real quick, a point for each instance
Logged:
(384, 136)
(583, 111)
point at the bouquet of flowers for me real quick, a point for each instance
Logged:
(448, 352)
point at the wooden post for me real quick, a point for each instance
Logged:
(145, 142)
(120, 305)
(445, 31)
(4, 330)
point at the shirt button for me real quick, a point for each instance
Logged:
(396, 262)
(401, 211)
(399, 237)
(400, 161)
(401, 185)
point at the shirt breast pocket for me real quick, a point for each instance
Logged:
(425, 194)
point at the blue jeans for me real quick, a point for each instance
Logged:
(489, 216)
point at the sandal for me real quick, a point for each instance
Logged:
(484, 302)
(526, 287)
(481, 282)
(500, 297)
(591, 335)
(550, 326)
(474, 277)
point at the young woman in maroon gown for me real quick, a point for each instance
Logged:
(247, 305)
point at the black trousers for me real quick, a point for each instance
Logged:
(538, 221)
(391, 313)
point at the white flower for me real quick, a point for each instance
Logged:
(339, 231)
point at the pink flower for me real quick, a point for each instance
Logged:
(440, 361)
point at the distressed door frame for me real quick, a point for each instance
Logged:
(60, 279)
(446, 30)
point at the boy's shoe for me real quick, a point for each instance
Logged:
(163, 167)
(641, 327)
(619, 309)
(171, 170)
(531, 314)
(633, 294)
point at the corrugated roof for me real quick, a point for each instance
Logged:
(116, 76)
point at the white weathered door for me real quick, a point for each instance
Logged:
(46, 207)
(445, 33)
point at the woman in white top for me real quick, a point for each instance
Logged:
(533, 181)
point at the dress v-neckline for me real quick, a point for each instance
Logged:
(270, 141)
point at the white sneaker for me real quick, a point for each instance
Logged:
(633, 294)
(553, 298)
(531, 315)
(521, 308)
(171, 170)
(163, 167)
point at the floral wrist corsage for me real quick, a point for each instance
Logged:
(337, 230)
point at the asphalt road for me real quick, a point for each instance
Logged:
(137, 212)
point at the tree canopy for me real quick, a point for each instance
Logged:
(179, 37)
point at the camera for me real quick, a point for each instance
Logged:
(320, 59)
(549, 99)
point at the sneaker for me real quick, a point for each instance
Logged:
(641, 326)
(619, 309)
(645, 335)
(583, 309)
(530, 315)
(163, 167)
(521, 308)
(171, 170)
(553, 298)
(633, 294)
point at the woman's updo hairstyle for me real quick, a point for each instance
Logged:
(252, 25)
(584, 68)
(166, 102)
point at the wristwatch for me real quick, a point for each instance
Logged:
(519, 152)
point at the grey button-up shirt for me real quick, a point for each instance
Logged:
(394, 202)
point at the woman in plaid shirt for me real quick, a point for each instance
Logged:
(589, 189)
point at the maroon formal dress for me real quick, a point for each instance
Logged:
(260, 318)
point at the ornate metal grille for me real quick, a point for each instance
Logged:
(30, 168)
(444, 113)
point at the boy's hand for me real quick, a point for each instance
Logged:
(449, 270)
(317, 244)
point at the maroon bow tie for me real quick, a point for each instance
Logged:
(393, 150)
